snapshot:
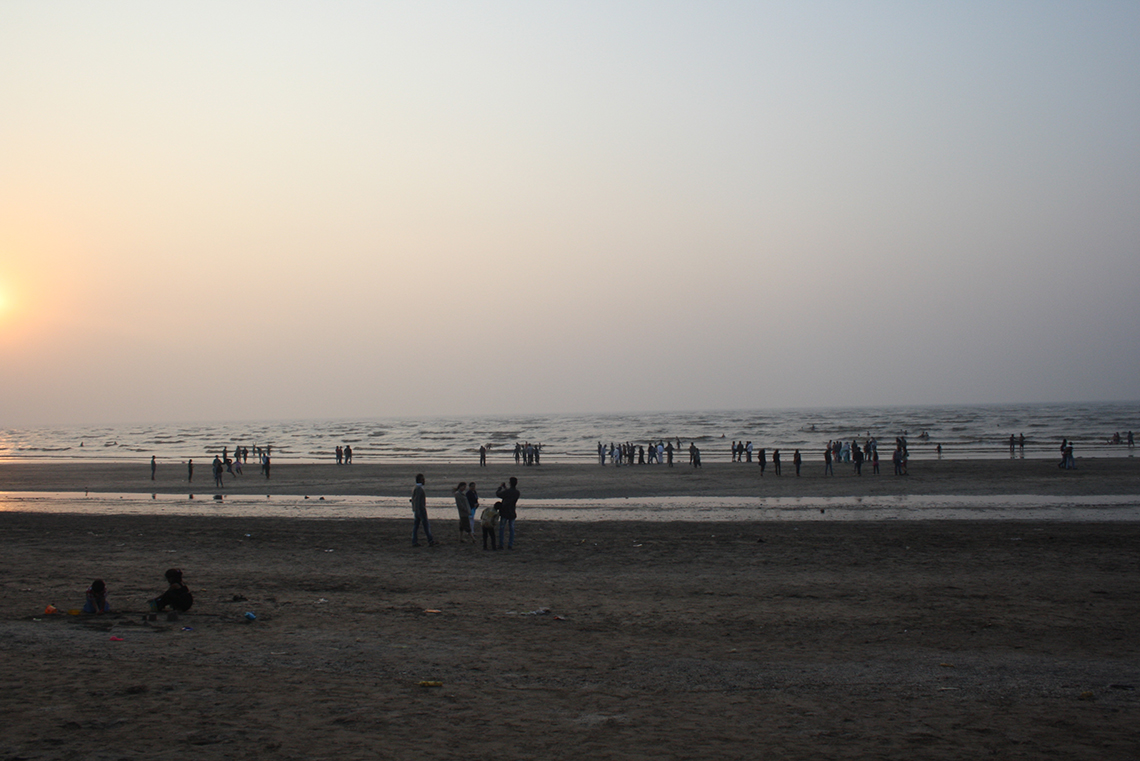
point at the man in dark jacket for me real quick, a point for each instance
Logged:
(508, 512)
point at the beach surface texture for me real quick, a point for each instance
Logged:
(316, 637)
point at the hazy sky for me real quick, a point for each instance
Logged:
(214, 211)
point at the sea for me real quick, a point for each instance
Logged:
(963, 431)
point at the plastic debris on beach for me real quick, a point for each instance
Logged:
(430, 684)
(432, 610)
(537, 612)
(117, 639)
(250, 615)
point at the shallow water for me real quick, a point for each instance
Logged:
(1122, 507)
(965, 431)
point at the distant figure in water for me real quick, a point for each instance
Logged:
(153, 467)
(939, 449)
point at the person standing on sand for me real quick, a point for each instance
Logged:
(218, 467)
(482, 456)
(460, 495)
(776, 461)
(669, 454)
(190, 470)
(153, 467)
(797, 460)
(419, 510)
(827, 460)
(762, 457)
(508, 511)
(472, 502)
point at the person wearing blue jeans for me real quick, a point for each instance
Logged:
(419, 510)
(508, 512)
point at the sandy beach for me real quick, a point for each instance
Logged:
(625, 640)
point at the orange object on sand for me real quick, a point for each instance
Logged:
(50, 610)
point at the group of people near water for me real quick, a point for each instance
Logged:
(1117, 440)
(525, 454)
(659, 453)
(497, 521)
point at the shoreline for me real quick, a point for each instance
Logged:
(1104, 476)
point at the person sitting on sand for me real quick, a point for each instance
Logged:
(96, 598)
(177, 596)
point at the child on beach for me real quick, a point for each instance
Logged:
(96, 598)
(177, 595)
(489, 520)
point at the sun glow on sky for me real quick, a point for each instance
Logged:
(285, 210)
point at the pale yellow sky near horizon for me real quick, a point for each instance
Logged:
(289, 210)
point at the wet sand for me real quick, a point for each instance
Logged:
(622, 640)
(722, 479)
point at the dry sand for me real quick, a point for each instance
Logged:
(899, 640)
